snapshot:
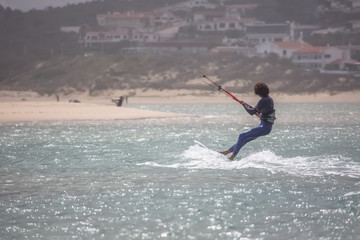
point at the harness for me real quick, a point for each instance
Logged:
(270, 117)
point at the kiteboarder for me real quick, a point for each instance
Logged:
(264, 110)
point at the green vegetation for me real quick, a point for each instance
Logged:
(102, 72)
(36, 55)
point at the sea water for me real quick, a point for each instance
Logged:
(147, 179)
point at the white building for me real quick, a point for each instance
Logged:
(200, 4)
(98, 38)
(260, 33)
(316, 58)
(240, 8)
(128, 19)
(200, 16)
(221, 24)
(282, 49)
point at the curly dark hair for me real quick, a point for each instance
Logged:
(261, 89)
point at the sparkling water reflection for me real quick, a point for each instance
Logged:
(146, 179)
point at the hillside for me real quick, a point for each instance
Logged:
(120, 72)
(36, 55)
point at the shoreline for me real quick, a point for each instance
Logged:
(18, 107)
(177, 97)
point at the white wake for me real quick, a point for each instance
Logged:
(196, 157)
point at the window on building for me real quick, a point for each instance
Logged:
(284, 52)
(222, 25)
(232, 25)
(327, 56)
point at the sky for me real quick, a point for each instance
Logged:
(26, 5)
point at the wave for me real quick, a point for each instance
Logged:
(196, 157)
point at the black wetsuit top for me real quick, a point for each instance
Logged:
(264, 108)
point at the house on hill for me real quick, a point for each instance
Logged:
(94, 39)
(333, 60)
(207, 15)
(240, 8)
(316, 58)
(132, 19)
(282, 49)
(129, 19)
(260, 33)
(223, 19)
(200, 4)
(97, 39)
(221, 24)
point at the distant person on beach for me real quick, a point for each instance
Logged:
(74, 101)
(119, 101)
(264, 110)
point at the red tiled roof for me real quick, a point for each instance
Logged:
(294, 45)
(310, 49)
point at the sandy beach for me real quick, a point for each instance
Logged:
(31, 107)
(63, 111)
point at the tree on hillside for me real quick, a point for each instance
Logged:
(286, 10)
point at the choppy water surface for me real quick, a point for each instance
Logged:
(146, 179)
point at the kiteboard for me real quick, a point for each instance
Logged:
(200, 144)
(208, 153)
(208, 149)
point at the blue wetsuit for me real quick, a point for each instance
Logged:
(265, 110)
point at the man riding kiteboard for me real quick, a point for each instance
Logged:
(264, 110)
